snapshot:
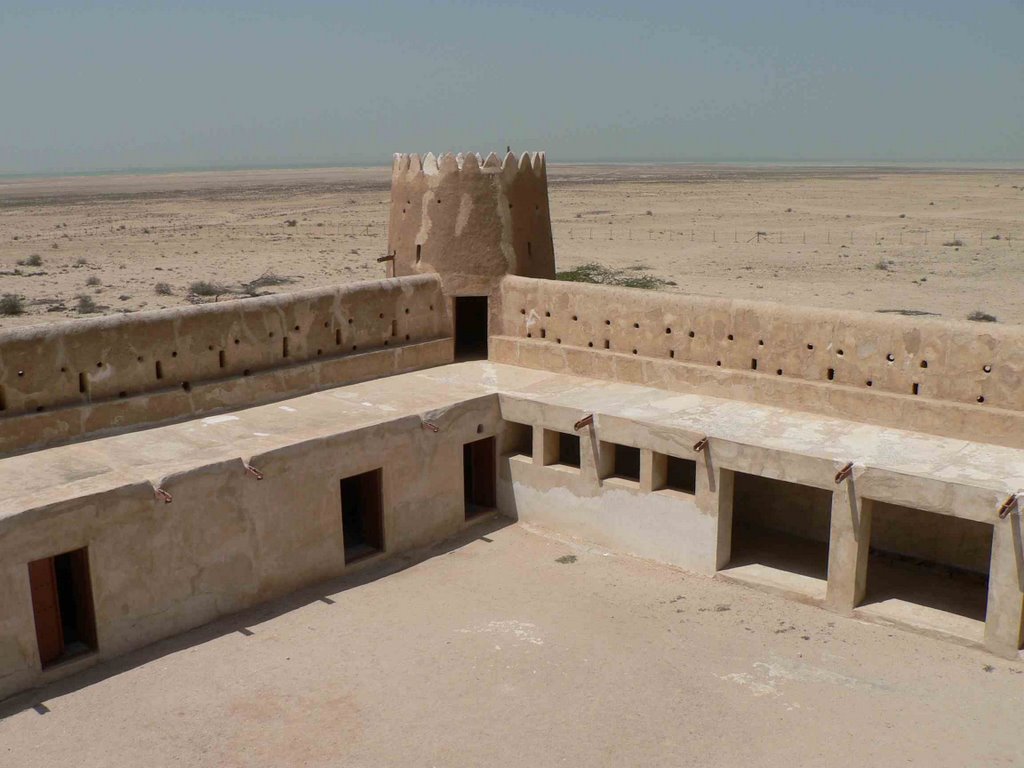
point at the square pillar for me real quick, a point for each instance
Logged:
(597, 458)
(713, 493)
(545, 446)
(1005, 610)
(848, 547)
(653, 470)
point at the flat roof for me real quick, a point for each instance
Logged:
(54, 474)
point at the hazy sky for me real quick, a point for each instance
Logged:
(87, 86)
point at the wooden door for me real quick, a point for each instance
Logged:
(43, 580)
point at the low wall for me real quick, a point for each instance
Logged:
(955, 379)
(64, 381)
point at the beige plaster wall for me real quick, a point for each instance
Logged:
(967, 376)
(229, 541)
(67, 380)
(472, 221)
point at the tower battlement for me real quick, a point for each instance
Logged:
(471, 219)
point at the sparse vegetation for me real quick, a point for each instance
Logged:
(81, 261)
(883, 265)
(35, 260)
(93, 281)
(267, 279)
(957, 243)
(163, 289)
(11, 304)
(982, 317)
(207, 288)
(85, 305)
(291, 222)
(600, 275)
(996, 237)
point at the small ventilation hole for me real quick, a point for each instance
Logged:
(3, 400)
(636, 325)
(729, 337)
(590, 343)
(810, 346)
(672, 353)
(981, 398)
(83, 383)
(284, 347)
(831, 374)
(839, 352)
(419, 252)
(543, 333)
(159, 370)
(607, 344)
(221, 358)
(529, 248)
(691, 334)
(718, 363)
(753, 363)
(987, 368)
(869, 383)
(890, 357)
(778, 372)
(186, 386)
(916, 388)
(394, 327)
(337, 336)
(924, 363)
(634, 351)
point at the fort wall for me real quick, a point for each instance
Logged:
(955, 379)
(68, 380)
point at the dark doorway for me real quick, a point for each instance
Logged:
(62, 605)
(478, 476)
(362, 515)
(470, 327)
(568, 450)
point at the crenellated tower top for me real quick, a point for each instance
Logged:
(471, 220)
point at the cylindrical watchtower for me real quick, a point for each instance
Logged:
(469, 221)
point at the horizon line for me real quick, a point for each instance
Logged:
(1009, 164)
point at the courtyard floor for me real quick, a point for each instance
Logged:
(512, 646)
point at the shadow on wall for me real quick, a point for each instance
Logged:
(243, 621)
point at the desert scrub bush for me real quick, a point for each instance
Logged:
(85, 305)
(93, 281)
(206, 288)
(35, 260)
(11, 304)
(600, 275)
(163, 289)
(982, 317)
(957, 243)
(883, 265)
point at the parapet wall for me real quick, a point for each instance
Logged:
(66, 380)
(472, 221)
(955, 379)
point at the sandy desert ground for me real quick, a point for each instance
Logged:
(877, 239)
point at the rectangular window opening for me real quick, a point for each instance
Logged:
(479, 476)
(627, 462)
(925, 565)
(566, 450)
(362, 515)
(62, 604)
(681, 474)
(470, 328)
(781, 526)
(518, 439)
